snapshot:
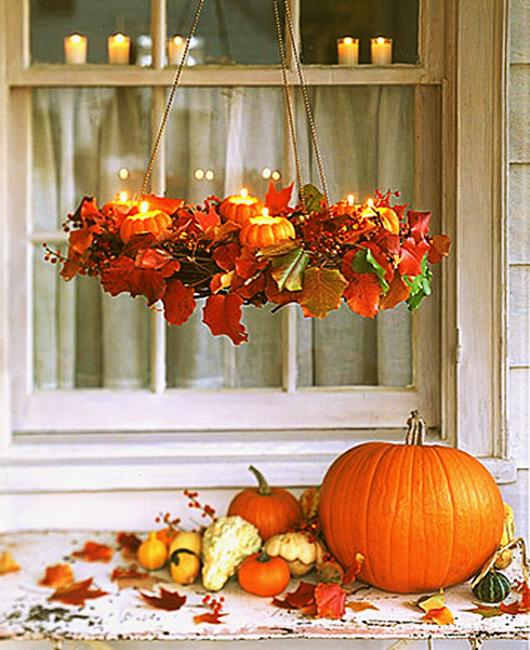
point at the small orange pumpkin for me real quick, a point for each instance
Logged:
(264, 231)
(241, 207)
(153, 221)
(262, 575)
(271, 510)
(424, 517)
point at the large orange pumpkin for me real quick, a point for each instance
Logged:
(424, 517)
(272, 510)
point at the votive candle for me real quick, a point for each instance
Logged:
(119, 47)
(381, 50)
(75, 49)
(348, 50)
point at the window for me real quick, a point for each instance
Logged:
(84, 363)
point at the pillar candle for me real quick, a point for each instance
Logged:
(119, 47)
(175, 49)
(348, 50)
(381, 49)
(75, 49)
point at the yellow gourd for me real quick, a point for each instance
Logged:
(152, 554)
(508, 534)
(184, 557)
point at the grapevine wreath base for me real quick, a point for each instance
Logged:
(242, 251)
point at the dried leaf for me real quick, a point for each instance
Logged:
(277, 201)
(322, 291)
(330, 600)
(129, 544)
(131, 578)
(363, 294)
(442, 616)
(214, 618)
(360, 605)
(77, 593)
(520, 606)
(440, 247)
(222, 314)
(80, 240)
(419, 223)
(225, 256)
(207, 221)
(485, 611)
(167, 600)
(398, 292)
(303, 596)
(288, 270)
(94, 552)
(412, 253)
(57, 576)
(431, 602)
(354, 569)
(7, 563)
(179, 302)
(167, 205)
(122, 275)
(313, 198)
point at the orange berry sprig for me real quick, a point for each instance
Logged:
(193, 502)
(165, 518)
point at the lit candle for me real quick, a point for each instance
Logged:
(348, 50)
(351, 200)
(75, 49)
(175, 49)
(119, 47)
(381, 50)
(123, 196)
(143, 207)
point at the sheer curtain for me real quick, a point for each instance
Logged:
(82, 138)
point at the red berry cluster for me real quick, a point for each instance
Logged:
(215, 604)
(193, 502)
(166, 519)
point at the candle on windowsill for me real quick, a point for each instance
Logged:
(175, 49)
(75, 49)
(348, 50)
(119, 47)
(381, 50)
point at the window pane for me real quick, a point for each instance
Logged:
(325, 22)
(230, 31)
(52, 20)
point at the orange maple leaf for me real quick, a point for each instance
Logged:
(167, 600)
(7, 563)
(94, 552)
(77, 592)
(442, 616)
(57, 576)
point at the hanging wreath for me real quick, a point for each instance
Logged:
(240, 251)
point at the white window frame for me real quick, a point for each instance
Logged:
(302, 433)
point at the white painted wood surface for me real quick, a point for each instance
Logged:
(124, 616)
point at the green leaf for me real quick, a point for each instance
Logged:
(288, 270)
(365, 262)
(420, 286)
(313, 198)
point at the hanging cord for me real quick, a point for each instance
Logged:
(288, 100)
(307, 104)
(154, 152)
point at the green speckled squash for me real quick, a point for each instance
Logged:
(493, 588)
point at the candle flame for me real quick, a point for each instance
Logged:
(119, 38)
(178, 40)
(123, 196)
(351, 199)
(380, 40)
(144, 207)
(75, 38)
(265, 212)
(244, 192)
(348, 40)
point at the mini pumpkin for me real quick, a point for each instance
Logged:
(263, 231)
(184, 566)
(154, 222)
(272, 510)
(152, 554)
(300, 550)
(262, 575)
(494, 587)
(391, 502)
(241, 207)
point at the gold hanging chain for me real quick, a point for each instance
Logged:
(146, 185)
(288, 100)
(307, 103)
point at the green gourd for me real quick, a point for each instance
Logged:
(493, 588)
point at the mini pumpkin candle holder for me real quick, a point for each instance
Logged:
(241, 207)
(263, 231)
(145, 221)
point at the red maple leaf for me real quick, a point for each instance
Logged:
(419, 224)
(412, 253)
(179, 302)
(363, 293)
(77, 592)
(440, 246)
(94, 552)
(214, 618)
(57, 576)
(222, 313)
(330, 600)
(397, 292)
(278, 201)
(225, 256)
(122, 275)
(207, 220)
(167, 600)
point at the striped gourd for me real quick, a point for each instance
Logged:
(493, 588)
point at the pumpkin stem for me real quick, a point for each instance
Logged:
(263, 487)
(263, 556)
(416, 429)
